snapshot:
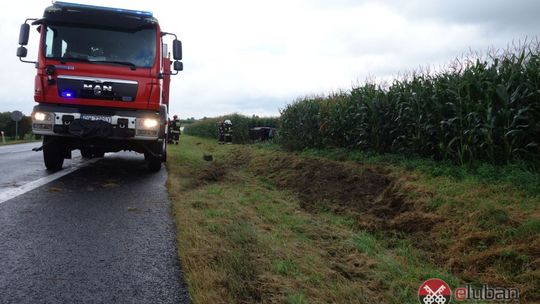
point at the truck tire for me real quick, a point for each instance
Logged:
(53, 153)
(154, 161)
(86, 153)
(164, 159)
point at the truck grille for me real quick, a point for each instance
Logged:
(97, 88)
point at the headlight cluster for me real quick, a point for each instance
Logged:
(147, 127)
(147, 123)
(43, 117)
(150, 123)
(42, 121)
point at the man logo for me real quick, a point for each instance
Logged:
(434, 291)
(97, 89)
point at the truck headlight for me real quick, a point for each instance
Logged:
(42, 117)
(150, 123)
(147, 127)
(42, 121)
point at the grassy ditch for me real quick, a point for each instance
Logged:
(261, 225)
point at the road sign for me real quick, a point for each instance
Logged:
(16, 115)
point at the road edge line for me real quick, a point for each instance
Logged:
(13, 193)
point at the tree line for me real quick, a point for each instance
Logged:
(7, 125)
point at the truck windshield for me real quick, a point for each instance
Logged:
(71, 43)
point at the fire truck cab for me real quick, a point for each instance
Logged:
(102, 82)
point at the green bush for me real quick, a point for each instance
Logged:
(484, 109)
(208, 127)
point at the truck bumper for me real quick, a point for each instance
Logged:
(94, 124)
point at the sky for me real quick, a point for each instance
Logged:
(255, 57)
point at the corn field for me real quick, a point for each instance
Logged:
(208, 127)
(477, 108)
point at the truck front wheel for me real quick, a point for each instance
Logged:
(154, 160)
(53, 153)
(86, 153)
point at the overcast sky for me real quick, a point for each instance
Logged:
(254, 57)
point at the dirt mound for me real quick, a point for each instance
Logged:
(368, 193)
(212, 172)
(337, 185)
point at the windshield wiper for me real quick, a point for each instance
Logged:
(131, 65)
(63, 60)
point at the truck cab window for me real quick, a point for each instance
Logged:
(101, 45)
(64, 47)
(49, 43)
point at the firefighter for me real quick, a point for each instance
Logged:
(228, 131)
(221, 132)
(174, 128)
(169, 131)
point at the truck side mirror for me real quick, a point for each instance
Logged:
(22, 52)
(24, 34)
(177, 50)
(178, 66)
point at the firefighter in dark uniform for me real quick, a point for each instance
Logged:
(174, 129)
(228, 131)
(221, 132)
(225, 132)
(169, 131)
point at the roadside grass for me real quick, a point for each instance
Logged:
(487, 227)
(244, 239)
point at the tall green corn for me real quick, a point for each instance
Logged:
(479, 108)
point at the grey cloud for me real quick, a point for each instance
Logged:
(498, 14)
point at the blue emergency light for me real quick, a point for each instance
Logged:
(67, 94)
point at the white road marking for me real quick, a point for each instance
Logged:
(14, 192)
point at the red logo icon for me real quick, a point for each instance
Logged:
(434, 291)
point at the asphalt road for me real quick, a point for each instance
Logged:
(20, 165)
(102, 234)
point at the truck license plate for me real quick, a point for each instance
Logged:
(96, 117)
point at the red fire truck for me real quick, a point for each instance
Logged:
(102, 82)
